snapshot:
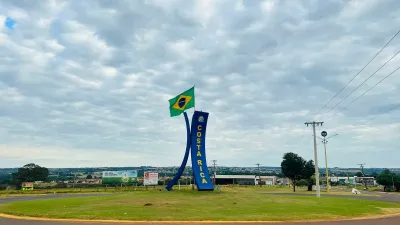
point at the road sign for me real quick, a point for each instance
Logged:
(324, 133)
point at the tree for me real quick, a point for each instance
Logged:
(359, 174)
(89, 177)
(292, 167)
(308, 172)
(388, 179)
(374, 174)
(30, 173)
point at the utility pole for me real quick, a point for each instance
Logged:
(393, 183)
(73, 184)
(325, 141)
(215, 171)
(318, 191)
(259, 175)
(362, 171)
(362, 168)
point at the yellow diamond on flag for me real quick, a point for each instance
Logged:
(182, 102)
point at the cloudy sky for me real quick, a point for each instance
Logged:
(87, 83)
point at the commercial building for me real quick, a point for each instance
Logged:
(244, 179)
(354, 180)
(269, 180)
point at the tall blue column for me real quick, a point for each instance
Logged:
(185, 158)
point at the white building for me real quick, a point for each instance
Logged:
(245, 179)
(352, 180)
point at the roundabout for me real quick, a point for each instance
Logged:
(35, 210)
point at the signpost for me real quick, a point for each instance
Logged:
(119, 177)
(325, 140)
(150, 179)
(324, 134)
(27, 186)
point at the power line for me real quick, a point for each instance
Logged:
(391, 109)
(364, 81)
(368, 90)
(360, 71)
(380, 114)
(373, 86)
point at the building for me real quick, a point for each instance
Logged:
(370, 181)
(244, 179)
(268, 180)
(283, 181)
(235, 179)
(353, 180)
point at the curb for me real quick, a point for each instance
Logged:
(7, 216)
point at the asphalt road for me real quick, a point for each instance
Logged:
(383, 197)
(382, 221)
(48, 196)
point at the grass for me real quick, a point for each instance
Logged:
(81, 190)
(265, 188)
(229, 204)
(131, 189)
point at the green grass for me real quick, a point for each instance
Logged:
(230, 204)
(269, 189)
(82, 190)
(133, 189)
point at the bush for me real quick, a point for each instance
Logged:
(302, 183)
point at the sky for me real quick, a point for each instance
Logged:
(87, 83)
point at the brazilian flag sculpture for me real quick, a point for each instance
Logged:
(195, 140)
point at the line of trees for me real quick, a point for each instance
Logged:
(298, 170)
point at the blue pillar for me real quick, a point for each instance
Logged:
(185, 158)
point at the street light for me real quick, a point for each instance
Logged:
(325, 140)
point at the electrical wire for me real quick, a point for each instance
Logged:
(367, 90)
(372, 118)
(364, 81)
(391, 109)
(387, 43)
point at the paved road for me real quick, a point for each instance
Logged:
(48, 196)
(382, 221)
(383, 197)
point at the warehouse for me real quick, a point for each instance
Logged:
(235, 179)
(269, 180)
(244, 179)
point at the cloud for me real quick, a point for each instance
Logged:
(88, 84)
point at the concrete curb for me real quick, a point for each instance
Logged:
(7, 216)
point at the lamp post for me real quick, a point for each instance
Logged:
(325, 141)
